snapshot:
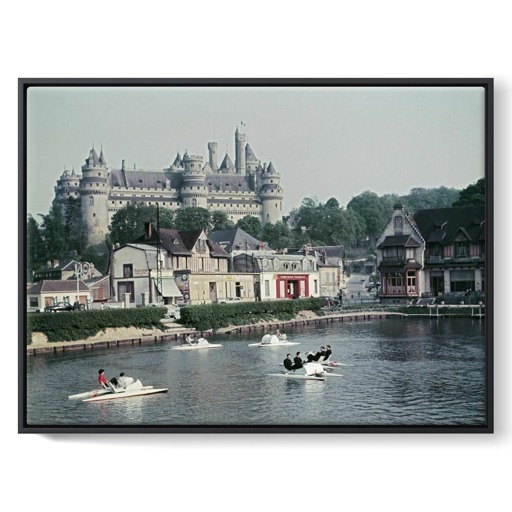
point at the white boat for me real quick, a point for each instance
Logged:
(112, 393)
(272, 340)
(193, 344)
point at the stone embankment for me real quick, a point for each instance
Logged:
(113, 338)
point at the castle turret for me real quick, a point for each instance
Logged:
(68, 185)
(212, 155)
(251, 162)
(94, 192)
(271, 195)
(194, 191)
(240, 141)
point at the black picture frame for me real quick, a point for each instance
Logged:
(24, 84)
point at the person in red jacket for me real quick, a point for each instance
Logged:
(104, 383)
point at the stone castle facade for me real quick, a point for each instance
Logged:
(247, 187)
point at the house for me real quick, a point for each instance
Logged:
(46, 293)
(133, 274)
(197, 264)
(454, 249)
(434, 252)
(329, 260)
(281, 276)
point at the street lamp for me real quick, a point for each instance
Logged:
(81, 269)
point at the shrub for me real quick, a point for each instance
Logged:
(79, 325)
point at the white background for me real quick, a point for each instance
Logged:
(260, 39)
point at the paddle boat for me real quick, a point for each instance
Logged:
(309, 371)
(196, 344)
(273, 340)
(115, 392)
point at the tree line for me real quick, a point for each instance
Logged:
(61, 236)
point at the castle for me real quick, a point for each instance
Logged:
(246, 188)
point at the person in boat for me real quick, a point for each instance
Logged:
(124, 381)
(328, 353)
(320, 354)
(288, 363)
(191, 339)
(310, 357)
(104, 383)
(297, 362)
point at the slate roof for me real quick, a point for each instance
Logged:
(399, 241)
(441, 225)
(236, 238)
(181, 243)
(145, 179)
(56, 286)
(228, 183)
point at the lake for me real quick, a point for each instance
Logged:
(398, 372)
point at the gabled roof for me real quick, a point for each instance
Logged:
(399, 241)
(441, 225)
(181, 243)
(61, 266)
(145, 179)
(56, 286)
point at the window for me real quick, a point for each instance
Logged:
(124, 288)
(128, 270)
(267, 287)
(461, 249)
(33, 302)
(398, 222)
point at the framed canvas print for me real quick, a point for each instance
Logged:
(255, 255)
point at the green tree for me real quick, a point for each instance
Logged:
(220, 220)
(128, 223)
(191, 218)
(53, 230)
(35, 246)
(472, 195)
(74, 231)
(251, 225)
(277, 235)
(373, 211)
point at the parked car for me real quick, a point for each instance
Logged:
(60, 306)
(229, 299)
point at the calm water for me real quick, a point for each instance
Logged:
(399, 372)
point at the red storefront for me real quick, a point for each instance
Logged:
(292, 286)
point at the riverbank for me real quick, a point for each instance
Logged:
(126, 336)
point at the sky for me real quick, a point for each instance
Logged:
(324, 141)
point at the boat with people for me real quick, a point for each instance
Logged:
(112, 392)
(193, 343)
(273, 340)
(308, 371)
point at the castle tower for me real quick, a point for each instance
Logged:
(212, 156)
(94, 192)
(68, 185)
(240, 141)
(251, 162)
(194, 191)
(271, 195)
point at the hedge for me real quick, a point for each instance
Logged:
(215, 316)
(80, 325)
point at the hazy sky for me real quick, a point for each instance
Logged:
(325, 142)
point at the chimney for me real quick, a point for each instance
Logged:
(148, 230)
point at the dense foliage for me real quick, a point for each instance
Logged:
(473, 195)
(215, 316)
(357, 226)
(80, 325)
